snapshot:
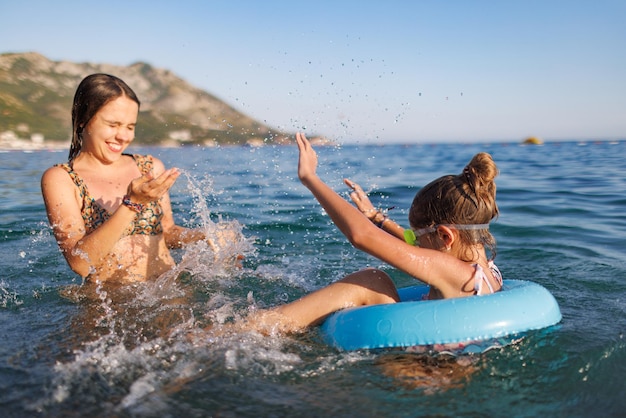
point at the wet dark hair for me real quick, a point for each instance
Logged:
(468, 198)
(92, 93)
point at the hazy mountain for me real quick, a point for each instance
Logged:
(36, 96)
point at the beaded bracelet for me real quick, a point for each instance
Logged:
(136, 207)
(382, 212)
(380, 224)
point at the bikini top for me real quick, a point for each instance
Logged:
(480, 277)
(147, 222)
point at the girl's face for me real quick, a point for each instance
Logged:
(111, 130)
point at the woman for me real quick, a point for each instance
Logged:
(450, 219)
(110, 211)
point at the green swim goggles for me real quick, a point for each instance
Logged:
(411, 236)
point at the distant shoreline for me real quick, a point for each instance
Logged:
(28, 145)
(19, 144)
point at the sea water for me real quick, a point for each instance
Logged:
(138, 352)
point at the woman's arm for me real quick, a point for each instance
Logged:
(82, 252)
(63, 202)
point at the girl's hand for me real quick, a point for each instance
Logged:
(360, 199)
(307, 164)
(146, 188)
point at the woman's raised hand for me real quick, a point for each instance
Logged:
(307, 164)
(146, 189)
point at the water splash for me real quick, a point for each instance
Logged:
(226, 242)
(143, 328)
(8, 297)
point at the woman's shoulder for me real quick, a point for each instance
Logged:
(57, 171)
(56, 178)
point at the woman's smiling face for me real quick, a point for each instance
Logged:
(112, 129)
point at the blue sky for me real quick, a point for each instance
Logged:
(365, 71)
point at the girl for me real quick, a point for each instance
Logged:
(449, 220)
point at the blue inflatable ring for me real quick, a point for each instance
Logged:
(519, 307)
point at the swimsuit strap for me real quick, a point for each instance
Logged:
(495, 271)
(93, 214)
(78, 181)
(480, 277)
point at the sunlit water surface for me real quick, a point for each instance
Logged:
(136, 351)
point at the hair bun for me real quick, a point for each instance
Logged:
(480, 173)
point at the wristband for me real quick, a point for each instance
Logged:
(135, 207)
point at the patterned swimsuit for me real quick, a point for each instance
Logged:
(148, 222)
